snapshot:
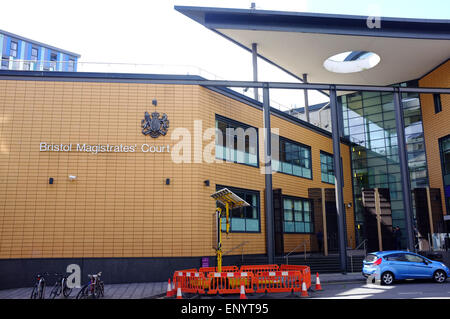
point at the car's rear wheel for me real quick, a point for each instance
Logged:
(439, 276)
(387, 278)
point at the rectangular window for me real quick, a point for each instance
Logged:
(34, 58)
(297, 215)
(293, 158)
(244, 219)
(34, 54)
(437, 103)
(53, 59)
(13, 49)
(71, 65)
(236, 142)
(5, 63)
(327, 167)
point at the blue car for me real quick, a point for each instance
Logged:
(397, 265)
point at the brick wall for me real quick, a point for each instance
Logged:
(119, 204)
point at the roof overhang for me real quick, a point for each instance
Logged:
(299, 43)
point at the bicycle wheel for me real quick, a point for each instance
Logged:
(99, 290)
(55, 290)
(84, 292)
(41, 289)
(66, 290)
(34, 292)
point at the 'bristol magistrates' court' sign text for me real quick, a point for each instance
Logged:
(104, 148)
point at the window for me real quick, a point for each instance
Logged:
(13, 49)
(293, 158)
(34, 54)
(297, 215)
(32, 65)
(53, 59)
(395, 257)
(236, 142)
(244, 219)
(5, 63)
(437, 103)
(413, 258)
(327, 167)
(71, 65)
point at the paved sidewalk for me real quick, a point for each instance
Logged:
(157, 289)
(112, 291)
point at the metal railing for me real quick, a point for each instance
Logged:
(123, 67)
(363, 243)
(241, 245)
(293, 250)
(433, 242)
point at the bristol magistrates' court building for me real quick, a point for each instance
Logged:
(114, 172)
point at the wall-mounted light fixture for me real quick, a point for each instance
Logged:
(72, 177)
(349, 205)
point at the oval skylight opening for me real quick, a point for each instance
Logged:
(351, 61)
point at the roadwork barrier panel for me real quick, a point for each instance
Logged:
(257, 278)
(278, 281)
(304, 270)
(229, 282)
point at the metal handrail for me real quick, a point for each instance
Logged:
(363, 242)
(304, 251)
(236, 247)
(242, 244)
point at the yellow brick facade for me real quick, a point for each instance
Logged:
(435, 125)
(119, 204)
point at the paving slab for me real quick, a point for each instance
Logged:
(156, 289)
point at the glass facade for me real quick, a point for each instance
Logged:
(444, 145)
(369, 123)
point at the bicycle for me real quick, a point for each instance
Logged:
(94, 289)
(60, 287)
(38, 291)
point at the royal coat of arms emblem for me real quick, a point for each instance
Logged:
(154, 125)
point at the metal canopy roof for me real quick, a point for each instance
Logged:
(301, 42)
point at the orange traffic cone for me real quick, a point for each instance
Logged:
(304, 291)
(179, 296)
(318, 286)
(169, 289)
(243, 296)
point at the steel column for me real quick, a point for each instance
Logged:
(404, 170)
(305, 93)
(340, 207)
(255, 68)
(268, 205)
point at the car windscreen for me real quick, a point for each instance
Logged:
(370, 258)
